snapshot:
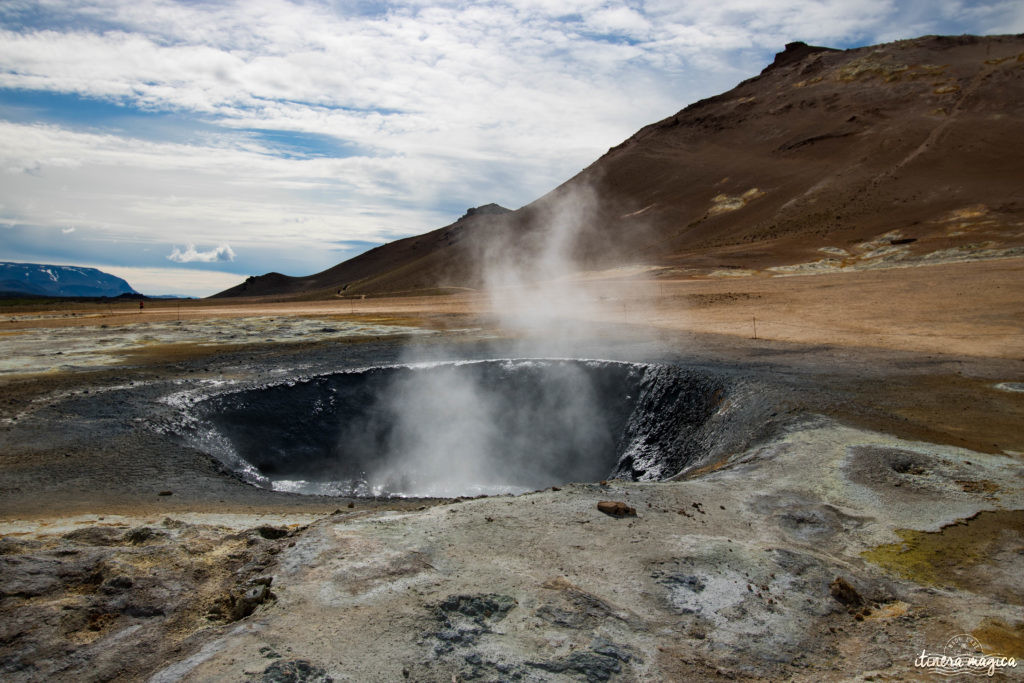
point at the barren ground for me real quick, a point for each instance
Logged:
(972, 308)
(128, 555)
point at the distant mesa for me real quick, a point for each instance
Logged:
(486, 210)
(795, 52)
(35, 279)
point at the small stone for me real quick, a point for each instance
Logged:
(117, 584)
(243, 605)
(166, 493)
(292, 670)
(845, 593)
(141, 534)
(616, 508)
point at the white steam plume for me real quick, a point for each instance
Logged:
(453, 434)
(529, 277)
(492, 428)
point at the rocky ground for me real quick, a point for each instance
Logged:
(881, 518)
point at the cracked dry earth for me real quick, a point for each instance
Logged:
(839, 546)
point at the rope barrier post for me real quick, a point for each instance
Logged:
(754, 318)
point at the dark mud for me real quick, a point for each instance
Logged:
(511, 425)
(110, 439)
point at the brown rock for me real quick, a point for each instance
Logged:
(845, 593)
(771, 163)
(616, 508)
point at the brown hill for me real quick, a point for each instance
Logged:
(897, 154)
(418, 263)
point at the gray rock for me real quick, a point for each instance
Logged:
(293, 671)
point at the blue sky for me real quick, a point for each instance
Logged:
(186, 145)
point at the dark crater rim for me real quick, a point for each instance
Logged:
(655, 421)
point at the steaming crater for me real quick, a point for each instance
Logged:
(470, 428)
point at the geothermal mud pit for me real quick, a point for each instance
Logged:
(470, 428)
(152, 528)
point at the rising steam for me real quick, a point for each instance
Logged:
(529, 277)
(453, 433)
(482, 427)
(498, 428)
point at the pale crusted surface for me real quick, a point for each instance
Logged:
(738, 584)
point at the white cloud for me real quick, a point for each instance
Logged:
(186, 281)
(67, 231)
(129, 187)
(432, 106)
(620, 20)
(190, 254)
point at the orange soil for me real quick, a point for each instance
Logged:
(973, 309)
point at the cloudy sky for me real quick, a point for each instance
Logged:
(186, 145)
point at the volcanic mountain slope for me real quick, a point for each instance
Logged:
(418, 263)
(896, 154)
